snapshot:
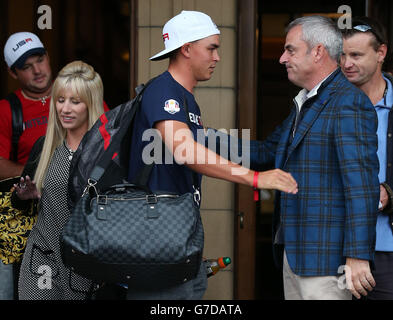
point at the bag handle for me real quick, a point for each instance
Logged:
(128, 186)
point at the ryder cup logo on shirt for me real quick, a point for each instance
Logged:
(172, 106)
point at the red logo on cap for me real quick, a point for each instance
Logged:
(165, 36)
(21, 43)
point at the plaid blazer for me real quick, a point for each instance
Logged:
(333, 158)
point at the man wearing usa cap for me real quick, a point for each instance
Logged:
(28, 63)
(168, 105)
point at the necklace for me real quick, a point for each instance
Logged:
(42, 99)
(386, 90)
(70, 156)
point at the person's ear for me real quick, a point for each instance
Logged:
(382, 52)
(186, 49)
(12, 73)
(318, 51)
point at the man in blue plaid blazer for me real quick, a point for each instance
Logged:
(329, 144)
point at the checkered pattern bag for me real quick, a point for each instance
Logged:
(127, 235)
(124, 233)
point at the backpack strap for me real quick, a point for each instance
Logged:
(17, 124)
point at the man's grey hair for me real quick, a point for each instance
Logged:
(320, 30)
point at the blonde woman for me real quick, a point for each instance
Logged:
(77, 102)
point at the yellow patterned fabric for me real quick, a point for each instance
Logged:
(15, 226)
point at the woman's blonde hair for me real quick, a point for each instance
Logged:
(84, 82)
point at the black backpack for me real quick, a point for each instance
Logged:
(108, 129)
(17, 124)
(17, 129)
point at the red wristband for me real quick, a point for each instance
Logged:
(255, 185)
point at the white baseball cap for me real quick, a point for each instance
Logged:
(186, 27)
(20, 46)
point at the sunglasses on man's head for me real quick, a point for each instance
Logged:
(365, 28)
(362, 28)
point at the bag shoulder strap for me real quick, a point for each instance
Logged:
(17, 124)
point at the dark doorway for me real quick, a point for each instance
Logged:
(95, 31)
(274, 100)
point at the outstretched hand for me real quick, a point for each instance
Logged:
(277, 179)
(26, 189)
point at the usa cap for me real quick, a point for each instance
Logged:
(20, 46)
(186, 27)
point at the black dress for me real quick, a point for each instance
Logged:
(43, 276)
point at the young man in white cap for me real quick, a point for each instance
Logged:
(28, 63)
(168, 105)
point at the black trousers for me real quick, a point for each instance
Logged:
(383, 275)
